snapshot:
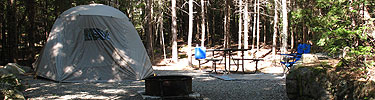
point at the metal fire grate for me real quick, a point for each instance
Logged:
(172, 85)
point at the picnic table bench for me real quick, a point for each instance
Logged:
(243, 65)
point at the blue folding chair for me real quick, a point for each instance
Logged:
(200, 53)
(290, 59)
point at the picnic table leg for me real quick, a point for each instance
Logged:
(214, 64)
(238, 65)
(225, 61)
(213, 54)
(256, 65)
(243, 66)
(199, 63)
(229, 61)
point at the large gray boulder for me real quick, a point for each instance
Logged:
(309, 58)
(304, 84)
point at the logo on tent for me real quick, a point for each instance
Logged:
(96, 34)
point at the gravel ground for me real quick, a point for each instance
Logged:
(208, 87)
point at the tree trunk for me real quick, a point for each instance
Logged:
(258, 24)
(212, 40)
(31, 29)
(46, 22)
(161, 28)
(304, 32)
(197, 28)
(228, 14)
(174, 32)
(208, 27)
(367, 18)
(284, 34)
(2, 32)
(203, 23)
(246, 27)
(291, 38)
(12, 31)
(370, 32)
(190, 35)
(149, 32)
(240, 27)
(265, 32)
(225, 24)
(304, 28)
(275, 22)
(255, 23)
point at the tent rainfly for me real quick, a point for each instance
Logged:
(93, 43)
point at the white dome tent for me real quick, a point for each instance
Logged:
(93, 43)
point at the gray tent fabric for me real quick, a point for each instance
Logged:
(93, 43)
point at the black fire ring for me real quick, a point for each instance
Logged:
(171, 85)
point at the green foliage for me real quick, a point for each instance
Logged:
(10, 87)
(362, 50)
(336, 40)
(135, 10)
(334, 20)
(339, 28)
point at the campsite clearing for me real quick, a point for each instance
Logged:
(210, 88)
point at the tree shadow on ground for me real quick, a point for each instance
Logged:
(46, 89)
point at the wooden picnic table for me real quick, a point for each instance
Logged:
(229, 52)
